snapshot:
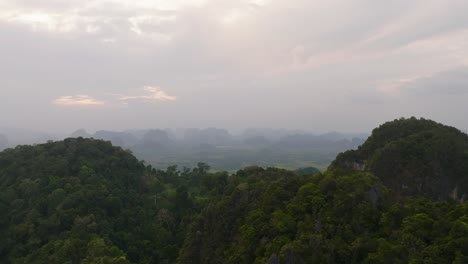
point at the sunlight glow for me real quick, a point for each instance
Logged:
(43, 21)
(78, 100)
(153, 93)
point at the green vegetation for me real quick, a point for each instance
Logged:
(414, 157)
(85, 201)
(307, 171)
(233, 158)
(274, 216)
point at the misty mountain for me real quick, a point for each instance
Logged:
(292, 149)
(269, 133)
(154, 142)
(156, 136)
(122, 139)
(214, 136)
(312, 141)
(18, 136)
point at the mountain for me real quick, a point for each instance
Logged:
(301, 141)
(156, 136)
(213, 136)
(414, 157)
(18, 136)
(153, 142)
(269, 133)
(122, 139)
(161, 148)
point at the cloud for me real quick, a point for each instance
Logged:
(78, 100)
(453, 83)
(395, 86)
(152, 94)
(92, 17)
(353, 55)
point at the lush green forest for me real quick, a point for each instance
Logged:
(399, 198)
(275, 216)
(414, 157)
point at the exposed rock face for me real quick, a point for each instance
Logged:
(414, 157)
(358, 166)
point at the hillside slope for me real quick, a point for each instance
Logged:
(414, 157)
(85, 201)
(274, 216)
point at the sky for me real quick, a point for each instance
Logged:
(332, 65)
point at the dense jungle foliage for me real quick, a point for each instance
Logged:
(85, 201)
(274, 216)
(414, 157)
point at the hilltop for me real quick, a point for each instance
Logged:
(86, 201)
(414, 157)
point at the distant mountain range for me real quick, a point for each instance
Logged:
(217, 136)
(224, 151)
(290, 149)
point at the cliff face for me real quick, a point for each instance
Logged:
(414, 157)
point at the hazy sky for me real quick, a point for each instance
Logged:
(320, 65)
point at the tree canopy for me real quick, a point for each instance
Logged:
(86, 201)
(414, 157)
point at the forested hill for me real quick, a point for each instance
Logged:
(85, 201)
(63, 202)
(414, 157)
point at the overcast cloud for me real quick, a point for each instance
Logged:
(318, 65)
